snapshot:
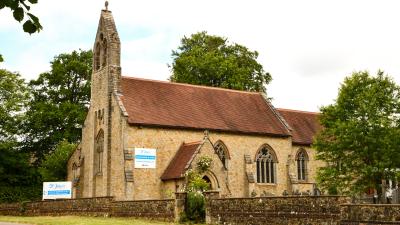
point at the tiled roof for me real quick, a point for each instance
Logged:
(167, 104)
(304, 125)
(177, 166)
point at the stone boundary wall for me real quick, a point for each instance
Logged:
(152, 209)
(291, 210)
(363, 214)
(103, 206)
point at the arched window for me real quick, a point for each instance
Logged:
(74, 171)
(301, 160)
(104, 54)
(97, 57)
(222, 152)
(266, 165)
(208, 181)
(98, 151)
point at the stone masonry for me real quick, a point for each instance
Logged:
(103, 164)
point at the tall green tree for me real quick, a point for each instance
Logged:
(13, 96)
(54, 165)
(212, 61)
(60, 100)
(18, 178)
(20, 9)
(361, 135)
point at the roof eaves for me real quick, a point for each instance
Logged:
(211, 129)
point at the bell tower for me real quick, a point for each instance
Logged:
(106, 54)
(106, 80)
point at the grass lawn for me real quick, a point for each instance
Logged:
(79, 220)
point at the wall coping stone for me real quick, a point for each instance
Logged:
(287, 197)
(147, 200)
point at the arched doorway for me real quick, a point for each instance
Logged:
(208, 181)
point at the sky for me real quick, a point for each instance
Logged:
(308, 46)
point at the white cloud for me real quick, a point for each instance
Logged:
(308, 46)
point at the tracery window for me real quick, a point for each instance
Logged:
(99, 148)
(97, 57)
(104, 54)
(266, 165)
(301, 160)
(222, 152)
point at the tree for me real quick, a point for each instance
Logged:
(13, 96)
(18, 179)
(360, 139)
(60, 100)
(21, 8)
(54, 166)
(210, 60)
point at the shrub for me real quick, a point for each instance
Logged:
(194, 208)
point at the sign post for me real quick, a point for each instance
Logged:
(57, 190)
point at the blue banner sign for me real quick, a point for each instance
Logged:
(145, 158)
(56, 190)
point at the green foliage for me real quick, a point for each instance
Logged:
(17, 175)
(54, 166)
(361, 135)
(196, 185)
(204, 163)
(20, 9)
(13, 97)
(18, 178)
(195, 182)
(211, 61)
(194, 208)
(10, 194)
(60, 100)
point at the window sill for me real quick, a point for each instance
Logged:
(304, 182)
(266, 184)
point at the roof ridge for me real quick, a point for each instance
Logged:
(192, 85)
(298, 111)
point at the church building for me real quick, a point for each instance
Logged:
(141, 136)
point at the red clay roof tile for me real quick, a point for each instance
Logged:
(158, 103)
(304, 125)
(177, 166)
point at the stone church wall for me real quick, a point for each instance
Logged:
(147, 182)
(312, 166)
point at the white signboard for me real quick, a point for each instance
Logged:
(145, 158)
(55, 190)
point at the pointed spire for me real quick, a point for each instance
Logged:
(106, 5)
